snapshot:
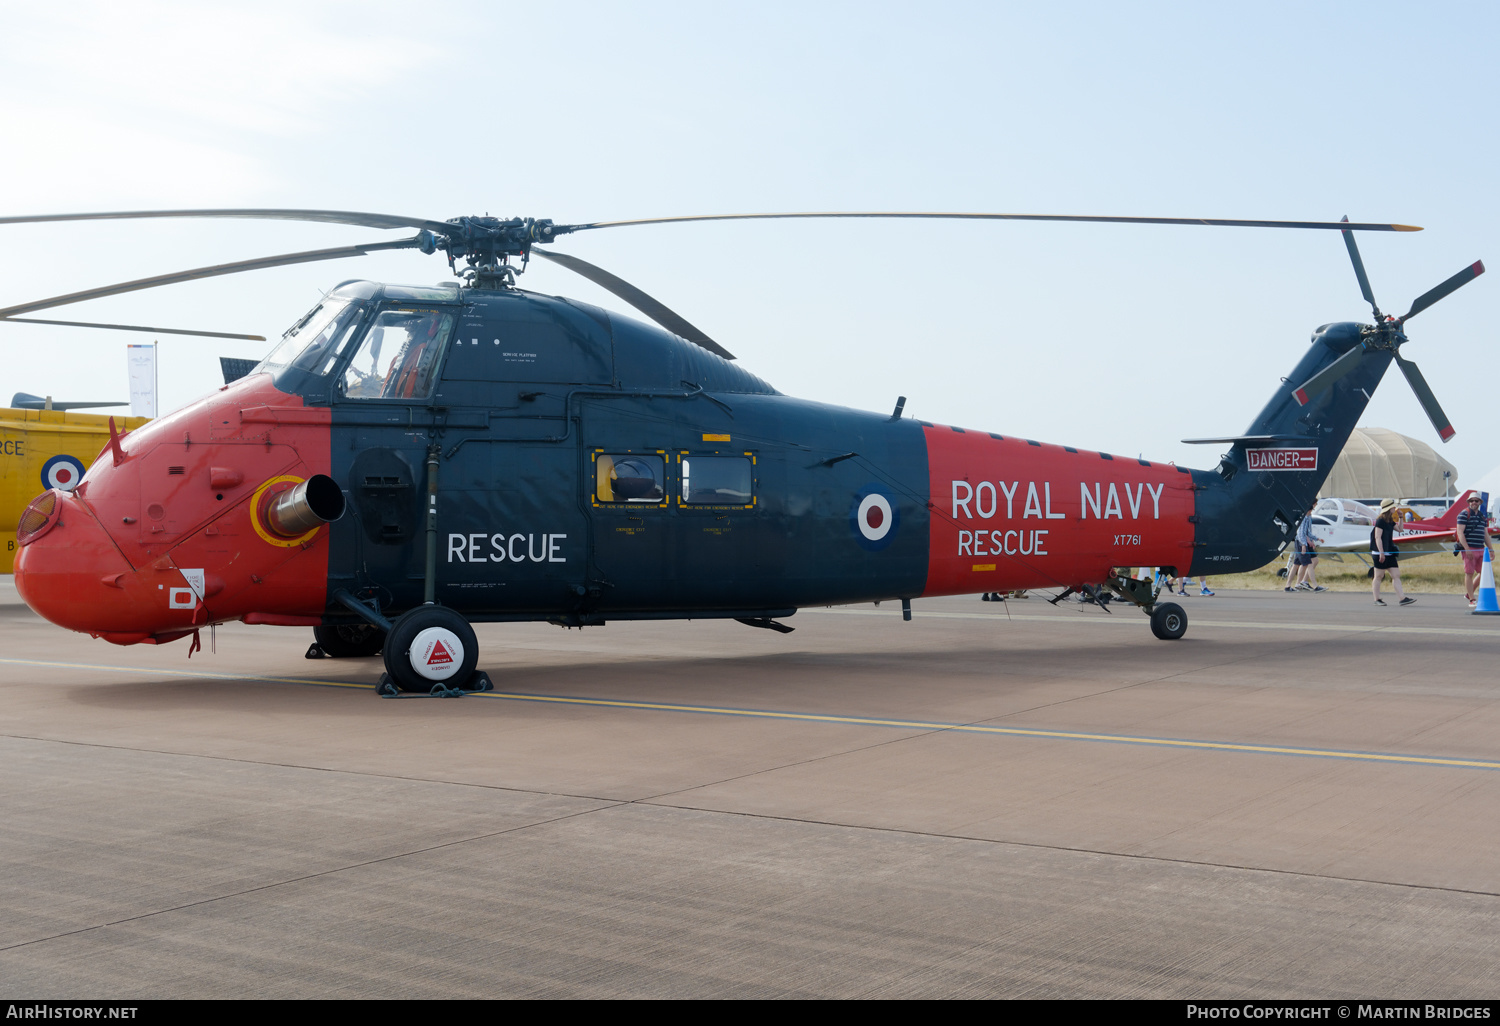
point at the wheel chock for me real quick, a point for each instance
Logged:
(479, 681)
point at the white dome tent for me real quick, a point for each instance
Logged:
(1378, 463)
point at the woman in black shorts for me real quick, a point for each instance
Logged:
(1383, 550)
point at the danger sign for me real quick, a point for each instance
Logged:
(436, 653)
(1282, 459)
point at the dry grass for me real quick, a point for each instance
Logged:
(1427, 574)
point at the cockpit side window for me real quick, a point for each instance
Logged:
(399, 356)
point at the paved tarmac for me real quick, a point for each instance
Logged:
(1296, 800)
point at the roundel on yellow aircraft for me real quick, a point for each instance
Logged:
(62, 472)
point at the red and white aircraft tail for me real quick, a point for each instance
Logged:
(1445, 526)
(1445, 522)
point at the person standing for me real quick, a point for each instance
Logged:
(1383, 549)
(1473, 540)
(1183, 582)
(1305, 562)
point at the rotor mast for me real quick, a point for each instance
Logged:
(488, 245)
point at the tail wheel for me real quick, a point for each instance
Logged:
(1168, 621)
(430, 646)
(350, 640)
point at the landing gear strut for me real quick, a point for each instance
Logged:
(347, 641)
(1168, 619)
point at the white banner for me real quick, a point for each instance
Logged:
(140, 362)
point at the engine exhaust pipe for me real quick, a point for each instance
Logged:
(317, 501)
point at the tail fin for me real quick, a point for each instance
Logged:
(1249, 507)
(1447, 521)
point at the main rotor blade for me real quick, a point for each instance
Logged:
(1424, 396)
(208, 272)
(1220, 222)
(353, 217)
(133, 327)
(1453, 284)
(668, 319)
(1328, 375)
(27, 401)
(373, 220)
(1359, 270)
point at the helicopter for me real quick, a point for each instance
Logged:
(410, 460)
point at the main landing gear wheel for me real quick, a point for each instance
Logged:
(1168, 621)
(428, 646)
(349, 640)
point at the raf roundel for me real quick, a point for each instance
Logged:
(62, 472)
(874, 519)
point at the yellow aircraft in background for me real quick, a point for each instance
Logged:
(46, 446)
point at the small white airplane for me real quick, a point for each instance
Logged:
(1344, 525)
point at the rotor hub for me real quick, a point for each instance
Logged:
(1387, 335)
(488, 245)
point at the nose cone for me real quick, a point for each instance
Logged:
(72, 574)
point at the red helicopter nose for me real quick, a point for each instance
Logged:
(71, 572)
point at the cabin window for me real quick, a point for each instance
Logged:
(717, 481)
(631, 477)
(399, 356)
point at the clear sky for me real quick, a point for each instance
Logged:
(1105, 337)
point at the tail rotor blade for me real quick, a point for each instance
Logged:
(1453, 284)
(1359, 270)
(1328, 375)
(1424, 396)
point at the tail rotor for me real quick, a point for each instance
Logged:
(1387, 335)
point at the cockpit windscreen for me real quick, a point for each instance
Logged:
(312, 344)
